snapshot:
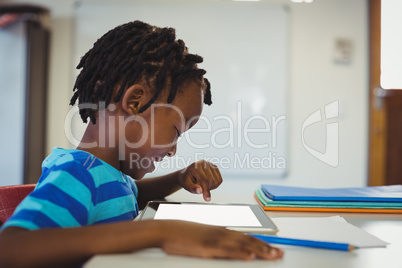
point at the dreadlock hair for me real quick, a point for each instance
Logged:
(128, 53)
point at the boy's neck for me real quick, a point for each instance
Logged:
(92, 143)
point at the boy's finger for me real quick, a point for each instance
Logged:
(201, 183)
(264, 250)
(241, 249)
(234, 253)
(193, 187)
(199, 189)
(207, 195)
(205, 191)
(206, 180)
(217, 177)
(269, 253)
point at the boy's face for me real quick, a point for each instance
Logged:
(153, 134)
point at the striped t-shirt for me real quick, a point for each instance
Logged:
(76, 189)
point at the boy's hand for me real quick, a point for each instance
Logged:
(201, 177)
(199, 240)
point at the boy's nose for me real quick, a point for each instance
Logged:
(172, 150)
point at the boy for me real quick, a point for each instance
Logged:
(141, 90)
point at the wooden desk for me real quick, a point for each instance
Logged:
(386, 227)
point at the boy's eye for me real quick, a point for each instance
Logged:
(178, 132)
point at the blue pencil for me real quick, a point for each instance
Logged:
(304, 243)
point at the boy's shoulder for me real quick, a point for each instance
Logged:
(65, 164)
(60, 156)
(81, 165)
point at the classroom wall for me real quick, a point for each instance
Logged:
(316, 80)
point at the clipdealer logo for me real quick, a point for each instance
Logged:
(331, 154)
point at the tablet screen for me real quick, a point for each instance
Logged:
(219, 215)
(239, 217)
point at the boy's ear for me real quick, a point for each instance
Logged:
(134, 98)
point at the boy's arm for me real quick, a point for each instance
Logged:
(157, 187)
(67, 247)
(199, 177)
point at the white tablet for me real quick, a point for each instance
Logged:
(240, 217)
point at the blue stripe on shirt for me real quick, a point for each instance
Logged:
(20, 223)
(27, 217)
(101, 174)
(129, 216)
(133, 186)
(54, 212)
(61, 199)
(76, 170)
(111, 190)
(79, 173)
(71, 186)
(110, 208)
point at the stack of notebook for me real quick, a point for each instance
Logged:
(379, 199)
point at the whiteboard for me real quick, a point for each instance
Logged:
(245, 50)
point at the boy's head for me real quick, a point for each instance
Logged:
(156, 85)
(133, 52)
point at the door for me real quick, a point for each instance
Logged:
(385, 149)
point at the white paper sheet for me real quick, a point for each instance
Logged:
(219, 215)
(329, 229)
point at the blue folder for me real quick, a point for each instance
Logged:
(325, 204)
(391, 193)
